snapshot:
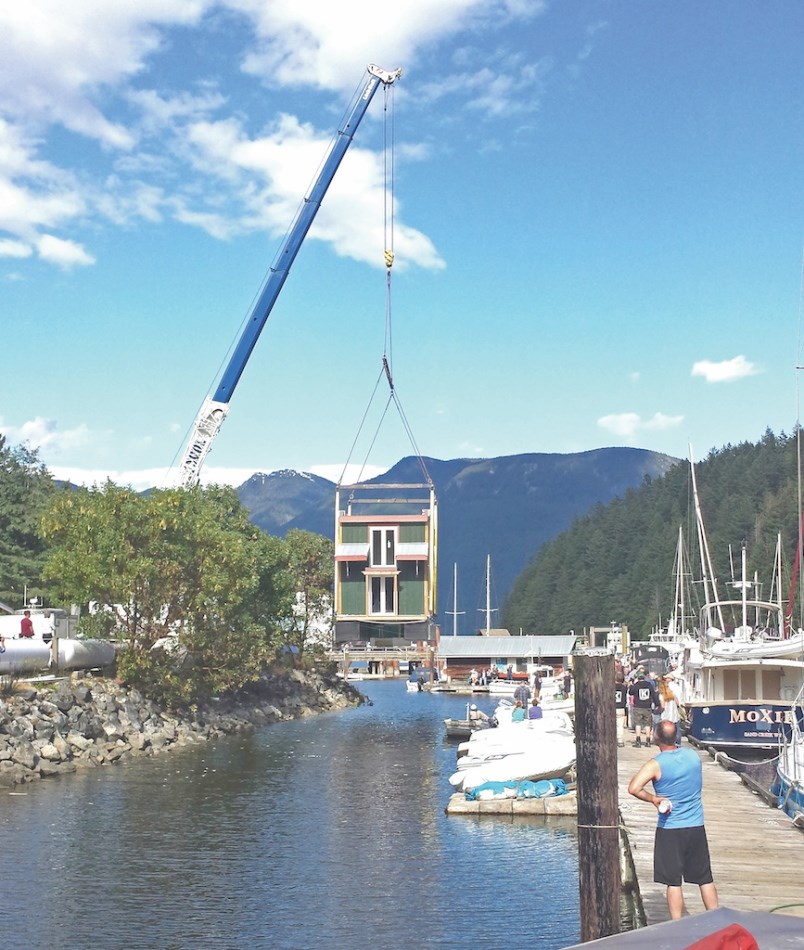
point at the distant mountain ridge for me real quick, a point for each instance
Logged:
(505, 508)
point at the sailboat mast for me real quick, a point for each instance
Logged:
(677, 616)
(455, 599)
(706, 561)
(745, 589)
(455, 610)
(488, 593)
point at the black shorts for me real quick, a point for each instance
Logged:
(681, 854)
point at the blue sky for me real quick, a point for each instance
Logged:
(599, 224)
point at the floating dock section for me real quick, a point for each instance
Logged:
(514, 807)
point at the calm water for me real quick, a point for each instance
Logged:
(327, 832)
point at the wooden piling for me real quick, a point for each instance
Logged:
(598, 811)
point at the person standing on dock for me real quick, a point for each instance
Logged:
(680, 851)
(645, 700)
(522, 693)
(670, 702)
(567, 684)
(620, 707)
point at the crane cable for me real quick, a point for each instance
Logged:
(387, 355)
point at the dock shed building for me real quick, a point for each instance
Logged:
(456, 656)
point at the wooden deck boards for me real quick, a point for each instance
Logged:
(757, 854)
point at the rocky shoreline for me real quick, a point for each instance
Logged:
(65, 725)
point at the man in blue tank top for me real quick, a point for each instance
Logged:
(681, 851)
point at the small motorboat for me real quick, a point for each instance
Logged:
(550, 757)
(470, 725)
(465, 728)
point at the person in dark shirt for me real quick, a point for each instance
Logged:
(621, 708)
(522, 693)
(567, 684)
(645, 700)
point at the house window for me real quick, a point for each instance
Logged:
(382, 595)
(383, 545)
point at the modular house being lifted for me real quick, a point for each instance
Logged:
(385, 564)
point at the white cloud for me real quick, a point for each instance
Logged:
(62, 252)
(85, 66)
(33, 193)
(319, 43)
(57, 56)
(725, 371)
(142, 479)
(44, 434)
(628, 425)
(269, 175)
(10, 248)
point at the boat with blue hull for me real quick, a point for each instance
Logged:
(789, 784)
(744, 697)
(734, 725)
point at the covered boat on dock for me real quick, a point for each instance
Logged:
(553, 758)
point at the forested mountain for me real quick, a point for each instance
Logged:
(616, 562)
(504, 507)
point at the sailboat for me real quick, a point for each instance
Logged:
(741, 700)
(678, 633)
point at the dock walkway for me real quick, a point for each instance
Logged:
(757, 854)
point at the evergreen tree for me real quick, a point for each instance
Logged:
(25, 490)
(616, 562)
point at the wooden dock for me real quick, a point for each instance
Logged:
(757, 854)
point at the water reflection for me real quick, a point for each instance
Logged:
(328, 832)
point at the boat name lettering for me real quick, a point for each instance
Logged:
(771, 716)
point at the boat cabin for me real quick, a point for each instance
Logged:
(652, 657)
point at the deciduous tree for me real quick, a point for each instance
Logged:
(195, 590)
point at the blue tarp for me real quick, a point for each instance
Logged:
(524, 789)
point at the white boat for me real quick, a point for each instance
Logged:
(748, 642)
(789, 784)
(551, 685)
(550, 704)
(509, 736)
(515, 741)
(741, 688)
(553, 757)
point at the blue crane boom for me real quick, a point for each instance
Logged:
(215, 408)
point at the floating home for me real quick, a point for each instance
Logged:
(386, 540)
